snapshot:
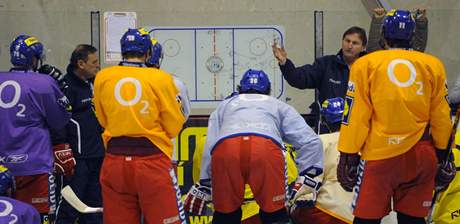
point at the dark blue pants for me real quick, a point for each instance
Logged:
(85, 184)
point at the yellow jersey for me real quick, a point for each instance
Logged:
(138, 102)
(392, 96)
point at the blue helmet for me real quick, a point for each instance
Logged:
(399, 25)
(157, 54)
(24, 48)
(6, 179)
(332, 109)
(256, 80)
(135, 40)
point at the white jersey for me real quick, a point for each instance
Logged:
(183, 96)
(265, 116)
(332, 198)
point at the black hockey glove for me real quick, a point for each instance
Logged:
(55, 73)
(446, 170)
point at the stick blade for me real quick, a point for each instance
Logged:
(70, 196)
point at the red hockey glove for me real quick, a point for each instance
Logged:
(446, 170)
(347, 170)
(64, 162)
(197, 198)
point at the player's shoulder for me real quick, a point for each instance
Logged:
(30, 80)
(427, 57)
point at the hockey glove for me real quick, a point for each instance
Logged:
(446, 170)
(197, 198)
(64, 162)
(55, 73)
(304, 192)
(347, 170)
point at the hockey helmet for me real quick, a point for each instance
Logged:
(6, 179)
(24, 48)
(157, 54)
(256, 80)
(332, 110)
(399, 25)
(135, 40)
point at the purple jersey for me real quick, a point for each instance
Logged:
(13, 211)
(30, 105)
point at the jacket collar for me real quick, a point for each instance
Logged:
(339, 58)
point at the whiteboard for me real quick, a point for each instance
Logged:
(211, 60)
(115, 25)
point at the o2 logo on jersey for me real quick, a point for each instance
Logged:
(7, 211)
(14, 101)
(410, 81)
(137, 96)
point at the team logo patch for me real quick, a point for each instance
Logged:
(351, 86)
(65, 103)
(19, 158)
(31, 40)
(347, 109)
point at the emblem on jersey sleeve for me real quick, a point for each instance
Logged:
(65, 103)
(351, 86)
(179, 100)
(347, 109)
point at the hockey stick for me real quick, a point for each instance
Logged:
(68, 194)
(449, 152)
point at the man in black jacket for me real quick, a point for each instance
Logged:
(328, 74)
(84, 135)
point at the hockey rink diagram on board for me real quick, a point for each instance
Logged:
(211, 60)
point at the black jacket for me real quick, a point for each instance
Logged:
(83, 131)
(328, 74)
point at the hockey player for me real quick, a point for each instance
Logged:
(13, 211)
(244, 146)
(30, 105)
(140, 111)
(333, 202)
(155, 61)
(84, 135)
(394, 96)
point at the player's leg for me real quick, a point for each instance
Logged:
(313, 215)
(413, 198)
(358, 220)
(78, 181)
(93, 195)
(118, 190)
(230, 217)
(255, 219)
(227, 180)
(377, 181)
(159, 194)
(407, 219)
(267, 177)
(39, 191)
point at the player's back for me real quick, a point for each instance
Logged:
(30, 104)
(403, 87)
(258, 114)
(138, 102)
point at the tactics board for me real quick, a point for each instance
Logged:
(211, 60)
